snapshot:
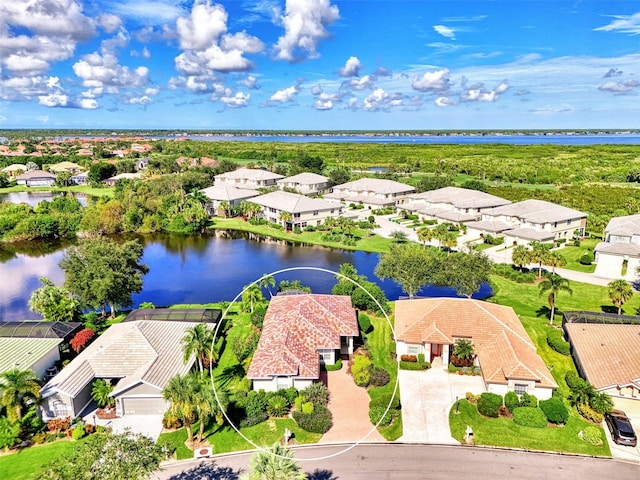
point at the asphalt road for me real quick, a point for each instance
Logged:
(401, 461)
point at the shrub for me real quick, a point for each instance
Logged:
(362, 378)
(555, 341)
(57, 425)
(277, 406)
(489, 404)
(409, 358)
(511, 401)
(317, 422)
(421, 358)
(78, 432)
(385, 401)
(592, 435)
(289, 393)
(307, 408)
(587, 258)
(555, 410)
(530, 417)
(333, 367)
(82, 339)
(256, 403)
(573, 379)
(257, 317)
(171, 421)
(300, 399)
(317, 394)
(251, 421)
(364, 322)
(452, 368)
(382, 415)
(527, 400)
(360, 370)
(471, 397)
(589, 413)
(39, 438)
(379, 376)
(414, 365)
(513, 273)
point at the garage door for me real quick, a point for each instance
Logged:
(144, 406)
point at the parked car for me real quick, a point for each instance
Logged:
(621, 428)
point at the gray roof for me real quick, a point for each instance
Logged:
(38, 329)
(536, 211)
(251, 174)
(228, 193)
(33, 174)
(293, 202)
(140, 351)
(305, 178)
(23, 353)
(461, 198)
(448, 214)
(361, 198)
(489, 226)
(626, 226)
(376, 185)
(630, 249)
(530, 234)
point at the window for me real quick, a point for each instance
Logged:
(520, 388)
(296, 215)
(412, 350)
(315, 212)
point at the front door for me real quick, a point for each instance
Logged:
(436, 351)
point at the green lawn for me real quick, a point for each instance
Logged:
(23, 464)
(572, 255)
(504, 432)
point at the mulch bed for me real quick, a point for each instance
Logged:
(104, 414)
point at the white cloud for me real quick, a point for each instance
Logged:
(445, 31)
(351, 68)
(305, 23)
(316, 90)
(502, 87)
(444, 102)
(285, 95)
(619, 87)
(26, 64)
(243, 42)
(236, 101)
(323, 104)
(98, 70)
(381, 100)
(623, 23)
(202, 27)
(361, 83)
(109, 22)
(143, 100)
(63, 101)
(552, 109)
(250, 82)
(155, 11)
(478, 95)
(437, 81)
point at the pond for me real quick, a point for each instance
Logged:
(34, 198)
(195, 269)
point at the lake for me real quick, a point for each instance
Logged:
(35, 197)
(196, 269)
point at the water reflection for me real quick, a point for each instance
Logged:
(34, 198)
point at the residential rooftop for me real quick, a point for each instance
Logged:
(292, 202)
(536, 211)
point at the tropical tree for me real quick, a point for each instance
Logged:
(620, 292)
(54, 303)
(466, 272)
(251, 296)
(267, 281)
(554, 260)
(101, 392)
(440, 231)
(601, 402)
(554, 284)
(285, 218)
(249, 209)
(225, 207)
(198, 341)
(199, 197)
(521, 256)
(425, 234)
(398, 236)
(205, 403)
(274, 463)
(463, 350)
(179, 392)
(449, 240)
(18, 388)
(285, 285)
(581, 394)
(537, 254)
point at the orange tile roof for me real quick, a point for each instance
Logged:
(609, 353)
(295, 327)
(501, 343)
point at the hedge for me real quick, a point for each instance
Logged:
(255, 420)
(589, 413)
(527, 400)
(385, 400)
(592, 435)
(333, 367)
(573, 379)
(555, 341)
(512, 273)
(381, 415)
(511, 401)
(317, 422)
(555, 410)
(489, 404)
(530, 417)
(414, 365)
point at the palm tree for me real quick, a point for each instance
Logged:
(463, 349)
(620, 292)
(582, 394)
(198, 341)
(538, 254)
(425, 234)
(439, 232)
(554, 260)
(251, 296)
(101, 393)
(554, 284)
(199, 197)
(274, 463)
(268, 281)
(179, 393)
(601, 402)
(205, 403)
(285, 218)
(17, 389)
(347, 270)
(399, 236)
(225, 207)
(521, 256)
(449, 240)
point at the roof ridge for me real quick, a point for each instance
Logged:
(528, 343)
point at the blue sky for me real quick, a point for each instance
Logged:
(319, 64)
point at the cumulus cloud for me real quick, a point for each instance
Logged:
(321, 104)
(151, 11)
(382, 72)
(284, 96)
(619, 87)
(502, 87)
(629, 24)
(104, 71)
(316, 90)
(202, 27)
(64, 101)
(109, 23)
(445, 31)
(351, 68)
(613, 72)
(238, 100)
(444, 102)
(305, 25)
(250, 82)
(145, 53)
(361, 83)
(381, 100)
(437, 81)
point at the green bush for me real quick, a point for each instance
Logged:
(364, 322)
(362, 378)
(385, 400)
(555, 341)
(171, 421)
(332, 367)
(300, 399)
(587, 258)
(317, 422)
(573, 379)
(511, 401)
(289, 393)
(317, 394)
(382, 415)
(530, 417)
(277, 406)
(307, 408)
(555, 410)
(360, 370)
(78, 432)
(452, 368)
(489, 404)
(589, 413)
(511, 272)
(379, 376)
(257, 317)
(527, 400)
(592, 435)
(414, 365)
(255, 420)
(256, 403)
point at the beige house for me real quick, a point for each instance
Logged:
(306, 183)
(225, 193)
(618, 256)
(123, 176)
(530, 220)
(451, 204)
(65, 166)
(14, 169)
(293, 210)
(36, 178)
(248, 178)
(504, 351)
(371, 192)
(299, 333)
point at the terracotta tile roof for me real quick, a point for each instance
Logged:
(501, 343)
(609, 354)
(295, 327)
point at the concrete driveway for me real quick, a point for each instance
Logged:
(426, 398)
(632, 408)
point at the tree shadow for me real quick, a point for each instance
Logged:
(230, 373)
(210, 471)
(609, 309)
(544, 311)
(322, 475)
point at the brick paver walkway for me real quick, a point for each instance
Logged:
(349, 405)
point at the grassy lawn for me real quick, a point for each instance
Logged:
(504, 432)
(366, 242)
(572, 255)
(24, 464)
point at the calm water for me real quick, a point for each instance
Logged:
(35, 197)
(195, 270)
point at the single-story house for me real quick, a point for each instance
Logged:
(301, 331)
(65, 166)
(618, 256)
(14, 169)
(225, 193)
(81, 178)
(36, 178)
(606, 354)
(300, 209)
(451, 204)
(139, 357)
(252, 178)
(504, 352)
(306, 183)
(123, 176)
(532, 220)
(371, 192)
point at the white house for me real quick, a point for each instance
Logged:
(371, 192)
(252, 178)
(300, 210)
(618, 256)
(225, 193)
(36, 178)
(306, 183)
